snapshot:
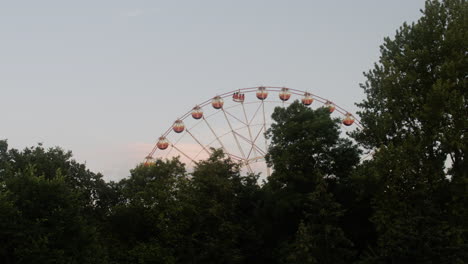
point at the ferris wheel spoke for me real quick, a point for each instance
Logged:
(248, 125)
(264, 132)
(201, 145)
(196, 156)
(229, 154)
(232, 156)
(237, 140)
(255, 140)
(234, 134)
(176, 142)
(216, 136)
(234, 117)
(250, 133)
(256, 112)
(183, 153)
(169, 152)
(251, 143)
(255, 158)
(239, 159)
(229, 132)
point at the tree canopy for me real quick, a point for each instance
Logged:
(415, 118)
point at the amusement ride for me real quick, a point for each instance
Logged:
(235, 122)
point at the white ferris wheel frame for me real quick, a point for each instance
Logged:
(243, 159)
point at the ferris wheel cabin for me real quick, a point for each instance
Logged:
(217, 102)
(262, 93)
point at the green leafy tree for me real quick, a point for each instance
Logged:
(43, 218)
(412, 214)
(305, 140)
(223, 206)
(319, 239)
(146, 223)
(419, 87)
(90, 186)
(415, 115)
(306, 149)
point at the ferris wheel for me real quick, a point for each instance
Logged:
(235, 122)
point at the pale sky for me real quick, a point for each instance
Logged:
(105, 78)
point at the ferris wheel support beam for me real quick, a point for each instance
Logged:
(251, 120)
(237, 140)
(183, 153)
(248, 126)
(255, 140)
(234, 117)
(255, 158)
(256, 112)
(264, 131)
(215, 135)
(201, 145)
(168, 153)
(255, 147)
(252, 143)
(250, 133)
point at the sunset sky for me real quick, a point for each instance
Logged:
(105, 78)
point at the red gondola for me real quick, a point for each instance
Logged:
(284, 95)
(262, 93)
(307, 99)
(238, 97)
(178, 126)
(330, 106)
(162, 143)
(217, 102)
(348, 120)
(149, 161)
(197, 113)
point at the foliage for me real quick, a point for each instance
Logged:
(223, 202)
(306, 150)
(43, 217)
(415, 114)
(319, 239)
(143, 223)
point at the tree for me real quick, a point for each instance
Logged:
(223, 205)
(304, 140)
(46, 162)
(306, 149)
(319, 239)
(146, 223)
(419, 86)
(42, 217)
(415, 114)
(411, 214)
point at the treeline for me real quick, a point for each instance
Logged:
(406, 204)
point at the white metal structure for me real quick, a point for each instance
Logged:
(236, 122)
